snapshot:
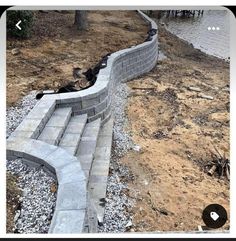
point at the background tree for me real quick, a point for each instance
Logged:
(81, 21)
(13, 17)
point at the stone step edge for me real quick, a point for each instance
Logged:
(105, 134)
(83, 116)
(62, 129)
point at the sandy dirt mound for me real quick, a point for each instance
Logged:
(176, 130)
(46, 60)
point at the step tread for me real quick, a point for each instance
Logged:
(100, 169)
(73, 132)
(87, 145)
(55, 126)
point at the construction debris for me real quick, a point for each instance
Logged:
(194, 89)
(219, 164)
(205, 96)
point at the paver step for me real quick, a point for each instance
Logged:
(73, 132)
(55, 126)
(100, 168)
(90, 223)
(87, 145)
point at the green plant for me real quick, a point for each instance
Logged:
(13, 17)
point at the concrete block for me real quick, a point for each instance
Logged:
(58, 121)
(79, 118)
(97, 179)
(100, 107)
(70, 139)
(38, 149)
(86, 166)
(102, 152)
(97, 192)
(67, 221)
(85, 160)
(86, 147)
(71, 172)
(30, 125)
(45, 102)
(107, 111)
(62, 111)
(100, 169)
(90, 102)
(75, 127)
(22, 134)
(106, 119)
(51, 135)
(103, 95)
(71, 196)
(43, 109)
(59, 158)
(104, 141)
(95, 117)
(89, 111)
(70, 149)
(31, 164)
(92, 128)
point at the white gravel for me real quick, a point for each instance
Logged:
(37, 200)
(15, 114)
(121, 137)
(118, 205)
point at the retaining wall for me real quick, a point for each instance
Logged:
(95, 101)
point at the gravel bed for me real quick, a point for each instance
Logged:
(37, 202)
(117, 216)
(38, 188)
(121, 137)
(15, 114)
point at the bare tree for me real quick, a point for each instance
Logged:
(81, 21)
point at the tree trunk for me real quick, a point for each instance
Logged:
(81, 21)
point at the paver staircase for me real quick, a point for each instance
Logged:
(91, 145)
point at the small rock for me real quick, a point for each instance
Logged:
(43, 217)
(53, 188)
(137, 148)
(205, 96)
(129, 224)
(194, 89)
(227, 89)
(17, 215)
(15, 51)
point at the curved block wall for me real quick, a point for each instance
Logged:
(121, 66)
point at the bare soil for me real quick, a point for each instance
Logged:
(13, 194)
(177, 130)
(46, 60)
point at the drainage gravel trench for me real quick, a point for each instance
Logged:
(118, 217)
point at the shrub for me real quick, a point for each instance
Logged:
(26, 18)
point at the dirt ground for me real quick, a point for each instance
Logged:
(13, 194)
(176, 131)
(46, 60)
